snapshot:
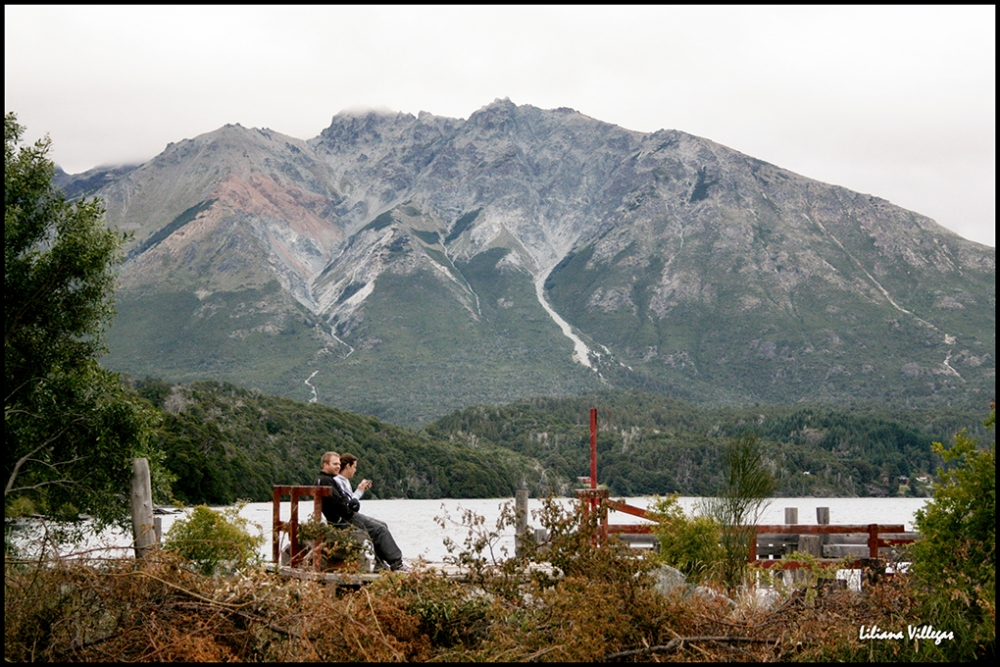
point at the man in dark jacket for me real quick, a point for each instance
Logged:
(337, 509)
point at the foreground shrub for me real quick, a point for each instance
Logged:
(748, 486)
(209, 538)
(690, 544)
(954, 563)
(159, 610)
(340, 547)
(450, 614)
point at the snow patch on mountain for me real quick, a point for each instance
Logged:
(581, 353)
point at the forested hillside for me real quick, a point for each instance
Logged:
(223, 442)
(649, 444)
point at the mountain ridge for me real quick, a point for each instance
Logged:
(625, 258)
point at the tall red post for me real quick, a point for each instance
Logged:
(593, 448)
(593, 454)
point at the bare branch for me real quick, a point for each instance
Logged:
(678, 643)
(9, 488)
(41, 484)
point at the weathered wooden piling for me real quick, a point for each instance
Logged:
(823, 519)
(823, 516)
(143, 527)
(521, 520)
(811, 544)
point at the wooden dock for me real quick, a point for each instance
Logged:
(868, 545)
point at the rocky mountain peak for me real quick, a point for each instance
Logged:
(356, 129)
(495, 117)
(550, 248)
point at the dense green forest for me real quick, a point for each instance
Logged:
(650, 444)
(222, 442)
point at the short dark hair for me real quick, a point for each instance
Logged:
(347, 460)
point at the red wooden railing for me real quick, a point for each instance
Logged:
(872, 529)
(292, 526)
(593, 497)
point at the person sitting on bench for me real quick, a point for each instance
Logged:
(386, 549)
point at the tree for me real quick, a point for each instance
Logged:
(954, 562)
(746, 492)
(70, 427)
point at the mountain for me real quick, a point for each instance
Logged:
(406, 267)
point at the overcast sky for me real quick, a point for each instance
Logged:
(898, 102)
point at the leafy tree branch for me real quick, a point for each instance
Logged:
(70, 427)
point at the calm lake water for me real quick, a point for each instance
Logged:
(412, 522)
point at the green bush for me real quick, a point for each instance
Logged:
(341, 550)
(954, 565)
(208, 539)
(690, 544)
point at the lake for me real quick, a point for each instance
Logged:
(418, 535)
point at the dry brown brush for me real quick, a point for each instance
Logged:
(157, 610)
(604, 607)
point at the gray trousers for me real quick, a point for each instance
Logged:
(385, 546)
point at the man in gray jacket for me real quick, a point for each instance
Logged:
(386, 549)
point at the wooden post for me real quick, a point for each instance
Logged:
(143, 528)
(792, 519)
(810, 544)
(593, 448)
(594, 502)
(521, 520)
(276, 527)
(293, 530)
(873, 541)
(823, 516)
(317, 546)
(823, 519)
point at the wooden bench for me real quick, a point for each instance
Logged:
(297, 551)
